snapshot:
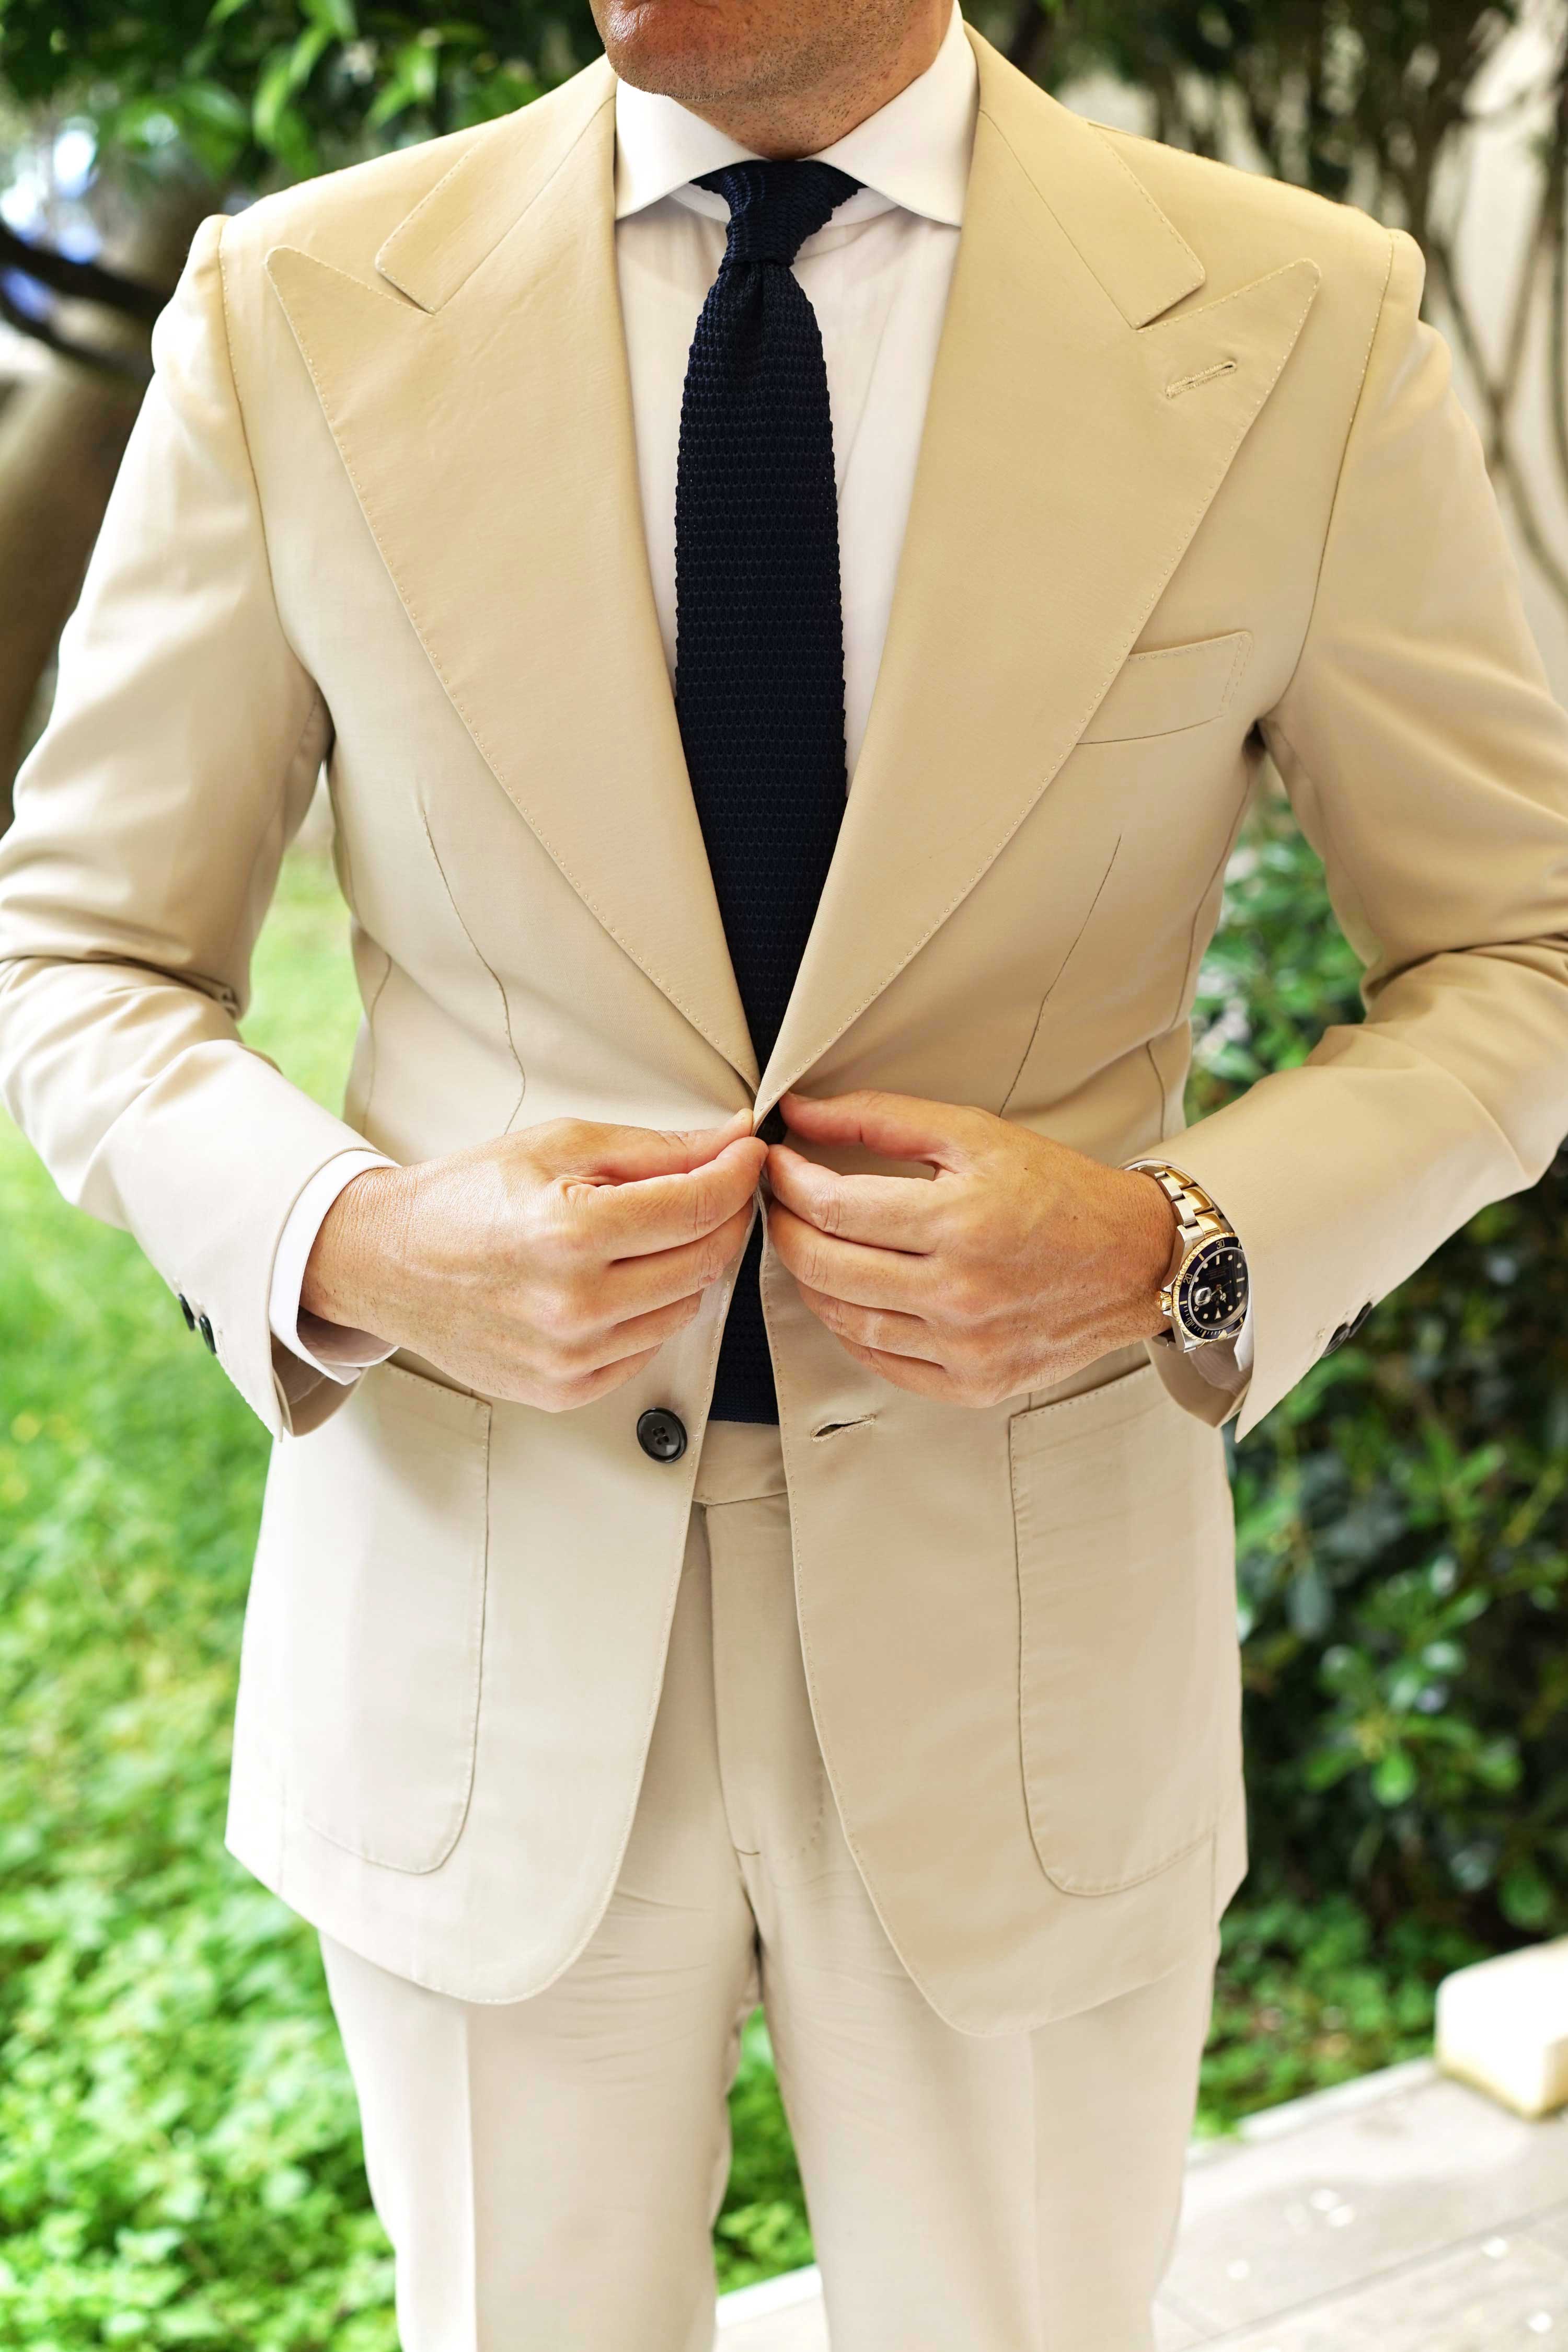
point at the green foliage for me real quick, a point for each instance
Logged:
(179, 2157)
(262, 91)
(1310, 1993)
(1402, 1565)
(762, 2228)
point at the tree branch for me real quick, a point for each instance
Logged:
(85, 281)
(1495, 398)
(1554, 213)
(83, 354)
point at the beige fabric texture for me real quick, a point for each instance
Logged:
(1193, 489)
(548, 2171)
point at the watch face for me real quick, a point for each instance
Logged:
(1212, 1293)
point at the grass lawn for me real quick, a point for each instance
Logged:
(179, 2158)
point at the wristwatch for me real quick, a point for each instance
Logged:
(1205, 1297)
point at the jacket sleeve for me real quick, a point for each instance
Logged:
(151, 818)
(1428, 763)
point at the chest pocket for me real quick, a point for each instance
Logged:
(1172, 688)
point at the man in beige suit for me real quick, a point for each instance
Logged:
(575, 1714)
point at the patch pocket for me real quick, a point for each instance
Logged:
(1166, 692)
(1129, 1688)
(382, 1521)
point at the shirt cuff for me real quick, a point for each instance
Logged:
(1227, 1363)
(332, 1349)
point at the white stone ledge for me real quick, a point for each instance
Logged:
(1502, 2026)
(780, 2294)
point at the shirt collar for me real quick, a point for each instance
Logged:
(914, 151)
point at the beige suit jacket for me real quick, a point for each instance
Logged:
(1193, 484)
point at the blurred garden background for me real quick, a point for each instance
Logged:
(179, 2161)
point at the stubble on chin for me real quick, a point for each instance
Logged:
(710, 53)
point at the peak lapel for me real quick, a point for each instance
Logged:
(485, 423)
(1073, 442)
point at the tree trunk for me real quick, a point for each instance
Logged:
(62, 435)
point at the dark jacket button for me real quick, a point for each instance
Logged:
(1348, 1330)
(661, 1434)
(187, 1310)
(205, 1329)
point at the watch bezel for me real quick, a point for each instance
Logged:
(1192, 1334)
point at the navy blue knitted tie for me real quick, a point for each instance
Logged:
(759, 685)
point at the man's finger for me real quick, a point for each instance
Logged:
(883, 1330)
(639, 1283)
(570, 1394)
(898, 1126)
(628, 1154)
(903, 1372)
(848, 1270)
(661, 1212)
(885, 1212)
(638, 1332)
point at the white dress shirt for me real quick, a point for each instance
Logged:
(877, 277)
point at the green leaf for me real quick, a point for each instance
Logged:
(415, 71)
(391, 99)
(1526, 1899)
(213, 107)
(214, 126)
(1324, 1766)
(306, 53)
(1394, 1780)
(277, 123)
(1497, 1765)
(336, 17)
(413, 79)
(272, 95)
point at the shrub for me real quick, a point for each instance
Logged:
(1402, 1559)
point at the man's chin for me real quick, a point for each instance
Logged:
(686, 49)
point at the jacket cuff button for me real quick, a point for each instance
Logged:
(1349, 1328)
(205, 1329)
(187, 1310)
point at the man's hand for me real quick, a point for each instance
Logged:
(1020, 1261)
(547, 1266)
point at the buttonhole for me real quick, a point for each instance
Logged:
(1204, 375)
(832, 1428)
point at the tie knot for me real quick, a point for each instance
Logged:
(775, 207)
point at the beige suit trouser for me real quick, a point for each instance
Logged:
(548, 2169)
